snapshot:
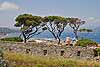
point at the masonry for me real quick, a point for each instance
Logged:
(49, 50)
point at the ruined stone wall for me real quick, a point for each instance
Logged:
(49, 50)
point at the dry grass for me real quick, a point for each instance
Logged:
(23, 60)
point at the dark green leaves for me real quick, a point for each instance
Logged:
(86, 30)
(86, 42)
(75, 21)
(18, 24)
(27, 20)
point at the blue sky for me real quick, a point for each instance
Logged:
(88, 10)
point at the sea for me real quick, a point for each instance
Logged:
(95, 36)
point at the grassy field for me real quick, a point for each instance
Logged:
(23, 60)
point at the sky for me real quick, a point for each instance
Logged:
(88, 10)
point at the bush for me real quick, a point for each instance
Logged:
(86, 42)
(98, 50)
(13, 39)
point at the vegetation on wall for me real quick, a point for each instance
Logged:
(98, 50)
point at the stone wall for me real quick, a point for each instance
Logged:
(49, 50)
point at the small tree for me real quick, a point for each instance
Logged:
(75, 23)
(29, 25)
(55, 25)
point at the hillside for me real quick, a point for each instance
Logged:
(97, 29)
(8, 30)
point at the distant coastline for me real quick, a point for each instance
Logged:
(93, 35)
(7, 32)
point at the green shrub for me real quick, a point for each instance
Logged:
(14, 39)
(98, 49)
(86, 42)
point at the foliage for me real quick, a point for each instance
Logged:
(86, 42)
(98, 50)
(25, 60)
(75, 23)
(55, 25)
(29, 25)
(32, 25)
(86, 30)
(12, 39)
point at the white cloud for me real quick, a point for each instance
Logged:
(92, 19)
(9, 6)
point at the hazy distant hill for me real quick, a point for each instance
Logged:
(8, 30)
(97, 29)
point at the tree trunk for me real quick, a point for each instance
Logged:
(58, 41)
(76, 35)
(54, 35)
(24, 37)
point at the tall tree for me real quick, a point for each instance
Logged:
(55, 25)
(29, 25)
(75, 23)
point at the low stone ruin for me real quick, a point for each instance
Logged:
(44, 49)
